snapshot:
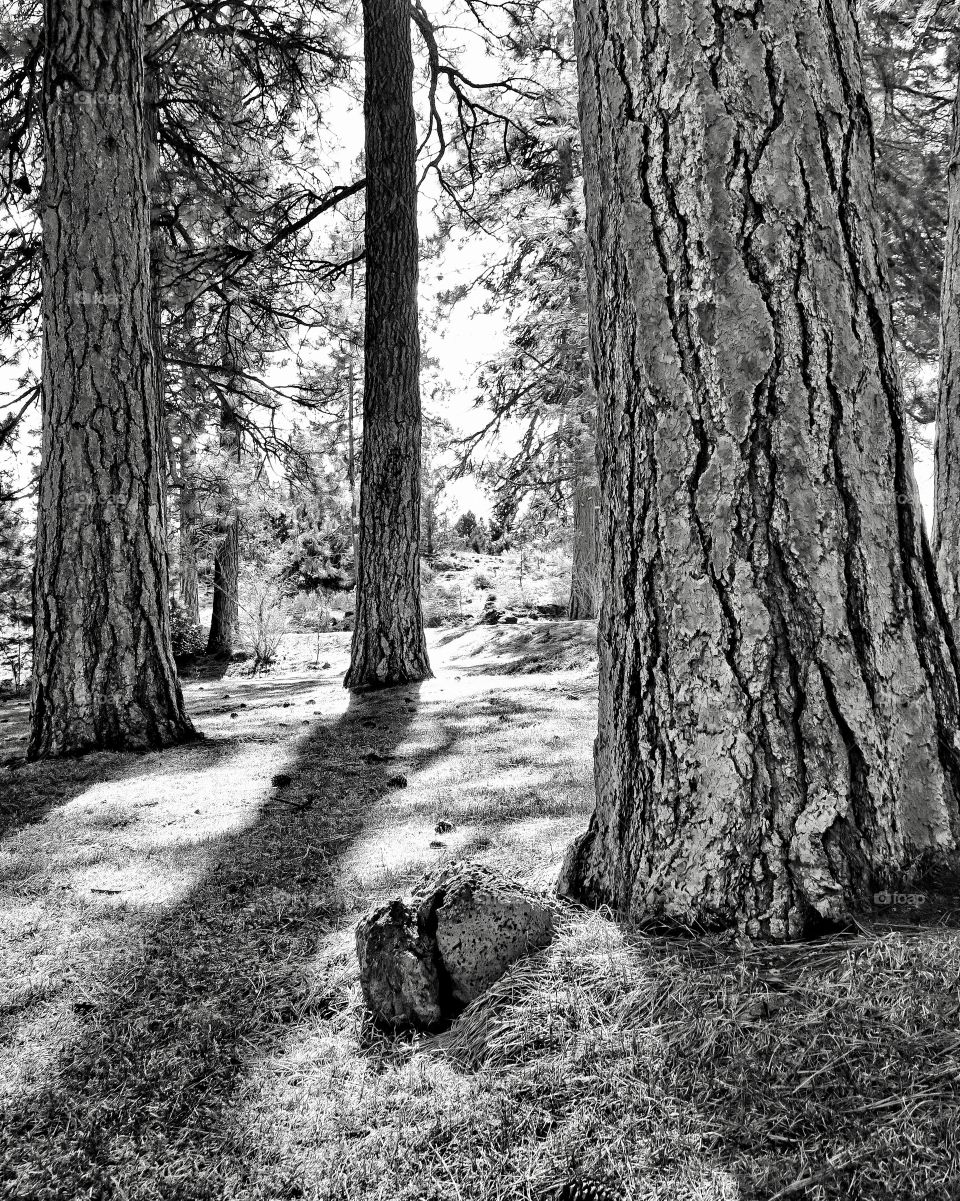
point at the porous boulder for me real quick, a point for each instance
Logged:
(422, 960)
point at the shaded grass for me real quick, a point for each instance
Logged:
(214, 1045)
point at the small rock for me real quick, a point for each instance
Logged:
(443, 827)
(281, 780)
(424, 959)
(324, 666)
(286, 704)
(234, 714)
(398, 781)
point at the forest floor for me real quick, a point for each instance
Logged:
(180, 1013)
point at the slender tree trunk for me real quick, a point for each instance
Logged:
(189, 502)
(351, 421)
(778, 684)
(947, 458)
(586, 495)
(104, 674)
(225, 616)
(389, 646)
(189, 520)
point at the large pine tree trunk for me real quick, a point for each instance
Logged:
(104, 674)
(778, 687)
(389, 646)
(225, 613)
(586, 494)
(947, 458)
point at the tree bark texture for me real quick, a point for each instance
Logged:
(104, 674)
(586, 496)
(778, 684)
(389, 646)
(946, 535)
(225, 613)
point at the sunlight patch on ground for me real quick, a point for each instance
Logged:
(98, 868)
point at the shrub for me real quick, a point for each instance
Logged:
(442, 605)
(186, 634)
(481, 580)
(262, 620)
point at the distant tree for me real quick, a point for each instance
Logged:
(778, 688)
(16, 618)
(389, 646)
(536, 385)
(911, 61)
(103, 669)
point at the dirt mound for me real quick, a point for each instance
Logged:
(544, 646)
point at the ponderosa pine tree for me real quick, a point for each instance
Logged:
(389, 646)
(103, 673)
(778, 683)
(225, 609)
(947, 458)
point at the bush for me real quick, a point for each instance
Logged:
(481, 580)
(262, 620)
(316, 616)
(442, 605)
(186, 635)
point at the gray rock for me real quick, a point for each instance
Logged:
(398, 970)
(482, 922)
(423, 960)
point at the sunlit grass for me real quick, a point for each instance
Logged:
(182, 1020)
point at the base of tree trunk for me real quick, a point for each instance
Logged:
(70, 740)
(368, 673)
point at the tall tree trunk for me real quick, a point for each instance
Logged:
(104, 674)
(947, 457)
(778, 684)
(225, 615)
(189, 520)
(389, 646)
(586, 494)
(189, 503)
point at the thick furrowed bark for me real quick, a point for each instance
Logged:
(104, 674)
(389, 646)
(947, 458)
(778, 687)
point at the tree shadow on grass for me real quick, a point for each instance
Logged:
(137, 1101)
(30, 791)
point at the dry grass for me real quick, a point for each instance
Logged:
(181, 1018)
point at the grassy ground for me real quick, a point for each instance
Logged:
(181, 1019)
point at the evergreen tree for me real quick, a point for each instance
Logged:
(778, 688)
